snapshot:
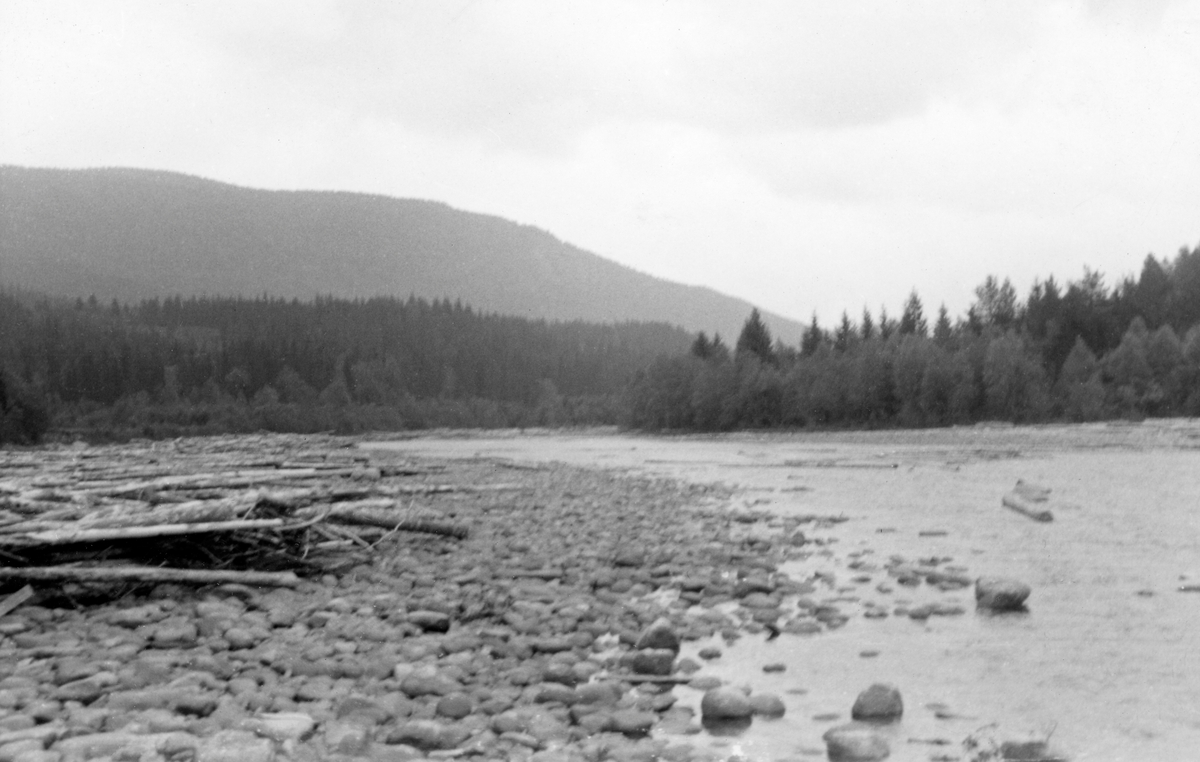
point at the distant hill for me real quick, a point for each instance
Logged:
(131, 234)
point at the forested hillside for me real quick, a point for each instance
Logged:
(205, 365)
(1079, 352)
(134, 234)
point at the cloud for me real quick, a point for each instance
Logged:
(803, 155)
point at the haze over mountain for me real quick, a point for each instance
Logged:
(131, 234)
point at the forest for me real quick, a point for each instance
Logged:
(1079, 351)
(206, 365)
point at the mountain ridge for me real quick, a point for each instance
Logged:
(128, 233)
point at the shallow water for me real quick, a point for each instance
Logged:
(1106, 658)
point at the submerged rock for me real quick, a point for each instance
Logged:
(1001, 594)
(855, 743)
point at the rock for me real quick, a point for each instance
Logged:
(430, 621)
(181, 634)
(458, 705)
(241, 637)
(347, 736)
(854, 743)
(709, 653)
(1028, 749)
(767, 705)
(632, 721)
(426, 735)
(629, 557)
(552, 645)
(659, 635)
(600, 694)
(362, 709)
(1000, 594)
(235, 746)
(777, 666)
(281, 726)
(87, 690)
(653, 661)
(725, 704)
(880, 702)
(427, 681)
(548, 693)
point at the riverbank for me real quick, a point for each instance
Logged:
(516, 642)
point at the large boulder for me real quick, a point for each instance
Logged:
(855, 743)
(1000, 594)
(880, 703)
(725, 704)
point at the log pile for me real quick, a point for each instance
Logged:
(253, 510)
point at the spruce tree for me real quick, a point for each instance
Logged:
(755, 339)
(913, 319)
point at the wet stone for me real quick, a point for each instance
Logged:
(880, 702)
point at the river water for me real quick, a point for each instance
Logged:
(1106, 661)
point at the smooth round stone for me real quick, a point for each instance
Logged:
(240, 637)
(725, 704)
(632, 722)
(709, 653)
(767, 705)
(775, 667)
(880, 702)
(455, 706)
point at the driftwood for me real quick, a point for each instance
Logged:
(1013, 501)
(16, 599)
(148, 574)
(383, 513)
(70, 536)
(217, 508)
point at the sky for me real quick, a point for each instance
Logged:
(811, 157)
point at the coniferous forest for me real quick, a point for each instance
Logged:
(1079, 351)
(208, 365)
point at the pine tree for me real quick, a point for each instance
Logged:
(755, 339)
(913, 319)
(812, 339)
(867, 329)
(942, 331)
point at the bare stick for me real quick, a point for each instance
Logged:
(149, 574)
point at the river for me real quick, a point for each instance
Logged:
(1106, 660)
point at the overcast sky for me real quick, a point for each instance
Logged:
(805, 156)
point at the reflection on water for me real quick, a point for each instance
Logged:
(1105, 660)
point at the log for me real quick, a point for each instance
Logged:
(69, 536)
(383, 513)
(149, 574)
(1011, 500)
(16, 599)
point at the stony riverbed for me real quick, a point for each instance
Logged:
(519, 642)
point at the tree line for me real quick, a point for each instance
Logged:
(1075, 352)
(205, 365)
